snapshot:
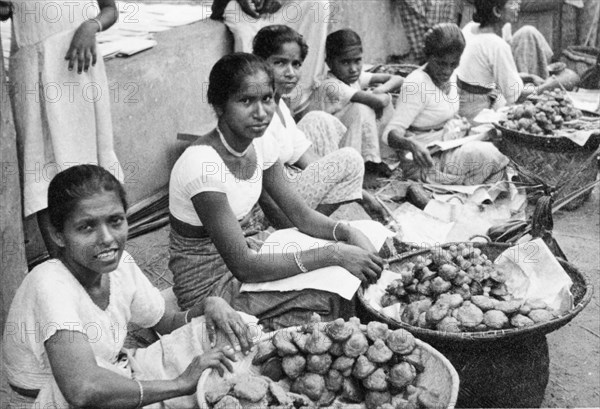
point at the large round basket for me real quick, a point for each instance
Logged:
(439, 375)
(504, 368)
(558, 161)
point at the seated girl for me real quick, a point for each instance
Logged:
(244, 18)
(488, 74)
(425, 113)
(343, 93)
(324, 182)
(64, 335)
(213, 187)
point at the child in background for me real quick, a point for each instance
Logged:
(344, 93)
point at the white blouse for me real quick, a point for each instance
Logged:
(51, 299)
(422, 104)
(201, 169)
(291, 140)
(488, 62)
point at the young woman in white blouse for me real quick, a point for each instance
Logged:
(213, 187)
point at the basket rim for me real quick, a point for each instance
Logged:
(455, 380)
(542, 142)
(504, 334)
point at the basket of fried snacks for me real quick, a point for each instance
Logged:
(339, 364)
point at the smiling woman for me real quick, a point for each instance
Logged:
(324, 175)
(213, 188)
(65, 331)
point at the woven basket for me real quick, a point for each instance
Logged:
(559, 162)
(439, 375)
(582, 293)
(507, 368)
(397, 69)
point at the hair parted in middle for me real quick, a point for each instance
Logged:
(443, 39)
(269, 39)
(227, 75)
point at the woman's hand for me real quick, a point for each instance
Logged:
(366, 266)
(219, 359)
(220, 315)
(82, 51)
(421, 155)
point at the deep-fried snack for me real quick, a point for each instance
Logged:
(284, 343)
(376, 399)
(343, 363)
(293, 365)
(377, 381)
(437, 312)
(318, 364)
(540, 315)
(495, 319)
(415, 358)
(379, 353)
(520, 321)
(448, 324)
(309, 384)
(334, 380)
(377, 330)
(402, 374)
(440, 286)
(318, 342)
(483, 302)
(326, 399)
(228, 402)
(264, 351)
(351, 391)
(218, 391)
(400, 341)
(469, 315)
(273, 369)
(356, 345)
(336, 349)
(279, 394)
(509, 307)
(363, 367)
(299, 339)
(339, 330)
(250, 388)
(453, 300)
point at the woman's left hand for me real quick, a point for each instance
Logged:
(82, 51)
(358, 238)
(220, 315)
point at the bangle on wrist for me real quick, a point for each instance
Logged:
(301, 266)
(185, 317)
(335, 226)
(98, 22)
(141, 400)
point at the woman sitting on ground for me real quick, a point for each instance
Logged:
(488, 76)
(213, 187)
(426, 112)
(65, 331)
(324, 182)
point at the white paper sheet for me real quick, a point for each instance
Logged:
(334, 279)
(417, 227)
(535, 274)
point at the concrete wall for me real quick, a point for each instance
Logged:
(160, 92)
